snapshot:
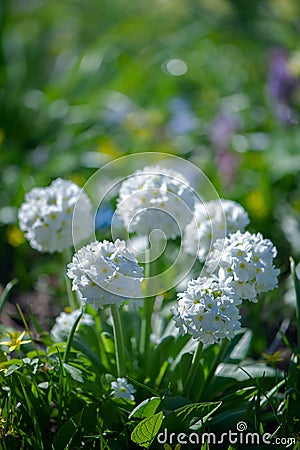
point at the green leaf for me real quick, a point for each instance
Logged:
(145, 432)
(190, 417)
(224, 421)
(189, 348)
(172, 403)
(80, 344)
(246, 371)
(106, 380)
(65, 435)
(241, 349)
(161, 355)
(12, 369)
(10, 362)
(146, 408)
(108, 342)
(6, 291)
(73, 432)
(74, 373)
(192, 414)
(44, 385)
(143, 386)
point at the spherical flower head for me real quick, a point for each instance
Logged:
(246, 262)
(207, 310)
(105, 273)
(212, 220)
(47, 213)
(122, 389)
(155, 198)
(64, 322)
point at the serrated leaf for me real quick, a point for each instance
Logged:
(172, 403)
(190, 417)
(146, 408)
(145, 432)
(74, 373)
(195, 415)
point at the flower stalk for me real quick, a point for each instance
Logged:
(297, 291)
(72, 297)
(216, 362)
(71, 335)
(193, 370)
(119, 341)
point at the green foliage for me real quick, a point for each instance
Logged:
(145, 432)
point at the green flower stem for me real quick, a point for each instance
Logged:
(146, 328)
(72, 297)
(119, 341)
(216, 362)
(146, 325)
(193, 370)
(71, 335)
(297, 290)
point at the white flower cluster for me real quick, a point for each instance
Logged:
(46, 216)
(246, 261)
(212, 220)
(208, 310)
(155, 198)
(64, 322)
(105, 273)
(122, 389)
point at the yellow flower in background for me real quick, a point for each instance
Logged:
(257, 204)
(15, 340)
(155, 117)
(2, 424)
(14, 236)
(294, 63)
(142, 134)
(296, 204)
(274, 358)
(77, 178)
(109, 148)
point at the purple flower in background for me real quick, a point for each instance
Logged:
(281, 86)
(221, 131)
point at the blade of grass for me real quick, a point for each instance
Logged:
(71, 335)
(6, 291)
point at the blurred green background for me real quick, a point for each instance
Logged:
(212, 81)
